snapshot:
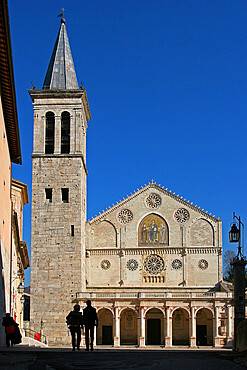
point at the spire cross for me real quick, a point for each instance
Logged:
(61, 15)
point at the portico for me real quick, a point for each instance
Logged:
(176, 319)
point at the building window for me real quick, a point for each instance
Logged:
(72, 230)
(65, 195)
(65, 133)
(48, 195)
(49, 133)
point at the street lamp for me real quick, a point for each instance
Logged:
(22, 299)
(20, 288)
(239, 262)
(234, 234)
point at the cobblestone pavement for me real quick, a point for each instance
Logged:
(28, 358)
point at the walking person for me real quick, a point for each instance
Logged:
(90, 320)
(74, 321)
(9, 324)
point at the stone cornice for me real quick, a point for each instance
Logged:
(66, 93)
(153, 250)
(42, 155)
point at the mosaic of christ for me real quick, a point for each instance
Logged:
(153, 231)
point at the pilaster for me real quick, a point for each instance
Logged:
(116, 321)
(142, 328)
(57, 148)
(168, 337)
(193, 328)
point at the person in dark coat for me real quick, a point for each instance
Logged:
(75, 323)
(9, 324)
(90, 319)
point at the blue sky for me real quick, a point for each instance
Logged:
(167, 88)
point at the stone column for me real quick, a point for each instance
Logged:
(72, 132)
(95, 335)
(229, 324)
(142, 328)
(164, 328)
(116, 328)
(193, 328)
(168, 337)
(57, 135)
(38, 132)
(216, 327)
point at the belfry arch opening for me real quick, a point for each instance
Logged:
(49, 132)
(65, 133)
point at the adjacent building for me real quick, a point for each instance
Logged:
(10, 152)
(20, 258)
(151, 264)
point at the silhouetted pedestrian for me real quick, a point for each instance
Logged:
(90, 320)
(75, 323)
(9, 324)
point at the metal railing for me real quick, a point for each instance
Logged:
(29, 333)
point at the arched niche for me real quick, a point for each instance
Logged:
(154, 327)
(128, 327)
(105, 235)
(104, 333)
(153, 230)
(204, 327)
(201, 233)
(180, 327)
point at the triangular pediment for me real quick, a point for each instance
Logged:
(146, 188)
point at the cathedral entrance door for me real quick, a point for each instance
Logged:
(153, 331)
(104, 330)
(204, 327)
(106, 334)
(201, 335)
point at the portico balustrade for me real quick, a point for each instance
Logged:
(147, 295)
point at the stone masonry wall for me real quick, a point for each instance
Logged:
(56, 255)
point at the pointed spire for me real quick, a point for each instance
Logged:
(61, 71)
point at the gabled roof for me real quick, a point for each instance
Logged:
(7, 86)
(152, 185)
(61, 72)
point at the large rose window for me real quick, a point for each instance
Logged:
(153, 264)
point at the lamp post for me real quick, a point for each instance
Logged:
(239, 262)
(20, 290)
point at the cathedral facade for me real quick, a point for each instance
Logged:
(151, 264)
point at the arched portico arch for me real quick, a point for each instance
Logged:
(180, 327)
(128, 326)
(204, 327)
(154, 327)
(104, 333)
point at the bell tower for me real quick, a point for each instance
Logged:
(59, 172)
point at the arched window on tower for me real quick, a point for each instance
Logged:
(49, 133)
(65, 133)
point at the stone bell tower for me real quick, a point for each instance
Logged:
(59, 172)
